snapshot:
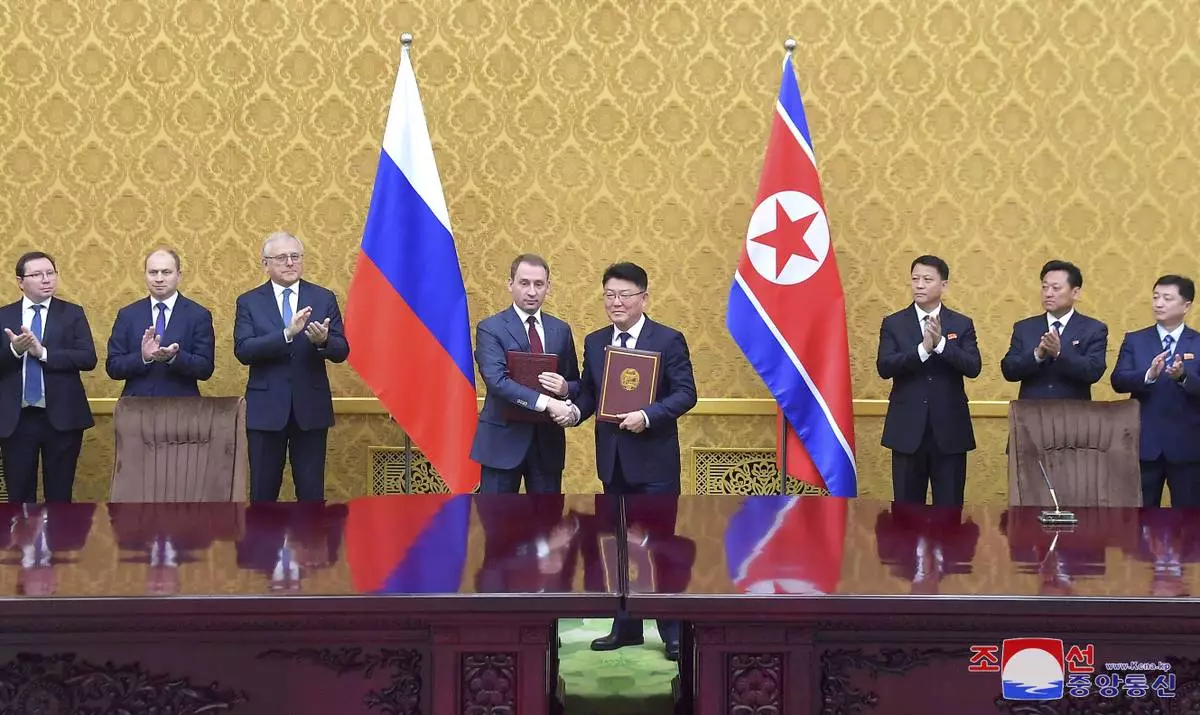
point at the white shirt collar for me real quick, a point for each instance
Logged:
(26, 304)
(634, 330)
(170, 302)
(279, 289)
(537, 315)
(1175, 334)
(933, 313)
(1062, 321)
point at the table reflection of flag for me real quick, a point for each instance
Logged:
(408, 544)
(778, 544)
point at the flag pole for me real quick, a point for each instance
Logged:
(789, 45)
(406, 40)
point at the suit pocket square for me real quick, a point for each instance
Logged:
(1074, 342)
(952, 336)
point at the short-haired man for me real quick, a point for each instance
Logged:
(640, 455)
(1058, 354)
(1157, 366)
(43, 406)
(926, 350)
(286, 329)
(161, 346)
(511, 450)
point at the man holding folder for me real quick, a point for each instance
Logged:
(520, 431)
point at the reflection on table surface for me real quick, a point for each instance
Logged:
(814, 546)
(395, 545)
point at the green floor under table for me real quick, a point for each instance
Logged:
(634, 680)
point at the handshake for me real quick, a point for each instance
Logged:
(561, 411)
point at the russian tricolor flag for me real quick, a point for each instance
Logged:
(406, 313)
(787, 311)
(408, 543)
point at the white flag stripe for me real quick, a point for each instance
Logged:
(406, 141)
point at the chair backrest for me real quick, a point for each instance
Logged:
(1089, 449)
(177, 449)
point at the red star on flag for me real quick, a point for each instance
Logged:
(788, 238)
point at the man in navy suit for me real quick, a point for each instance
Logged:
(1058, 354)
(43, 406)
(285, 330)
(1158, 367)
(640, 455)
(926, 350)
(161, 346)
(508, 450)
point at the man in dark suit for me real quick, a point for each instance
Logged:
(285, 330)
(508, 450)
(163, 345)
(1058, 354)
(640, 455)
(45, 536)
(1157, 366)
(925, 350)
(43, 406)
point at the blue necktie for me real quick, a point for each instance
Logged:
(624, 338)
(287, 306)
(33, 366)
(1057, 327)
(160, 322)
(1168, 346)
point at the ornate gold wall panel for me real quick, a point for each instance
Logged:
(997, 135)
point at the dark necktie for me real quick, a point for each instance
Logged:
(1057, 327)
(33, 366)
(160, 321)
(624, 338)
(535, 340)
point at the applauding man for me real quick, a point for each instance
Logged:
(285, 330)
(1058, 353)
(1157, 366)
(163, 345)
(926, 350)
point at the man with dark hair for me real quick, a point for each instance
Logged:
(640, 455)
(43, 406)
(163, 345)
(1157, 367)
(511, 450)
(926, 350)
(1058, 354)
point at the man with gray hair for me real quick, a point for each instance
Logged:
(285, 330)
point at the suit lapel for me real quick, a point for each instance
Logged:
(912, 324)
(175, 326)
(266, 296)
(517, 329)
(550, 329)
(52, 323)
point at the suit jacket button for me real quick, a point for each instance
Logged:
(924, 402)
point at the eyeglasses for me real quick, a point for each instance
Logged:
(41, 274)
(611, 297)
(285, 257)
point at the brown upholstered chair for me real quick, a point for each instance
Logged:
(1090, 450)
(176, 449)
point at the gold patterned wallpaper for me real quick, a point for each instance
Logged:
(996, 134)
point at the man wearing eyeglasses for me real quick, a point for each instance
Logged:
(286, 330)
(161, 346)
(43, 406)
(512, 450)
(641, 454)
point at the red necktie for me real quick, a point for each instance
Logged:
(535, 340)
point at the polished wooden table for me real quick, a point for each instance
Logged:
(413, 604)
(832, 606)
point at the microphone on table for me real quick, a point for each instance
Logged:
(1058, 517)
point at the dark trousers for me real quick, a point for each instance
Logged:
(1182, 478)
(269, 449)
(538, 479)
(624, 627)
(913, 474)
(34, 437)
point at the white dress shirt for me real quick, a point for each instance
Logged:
(921, 351)
(1162, 335)
(27, 321)
(542, 400)
(634, 331)
(291, 301)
